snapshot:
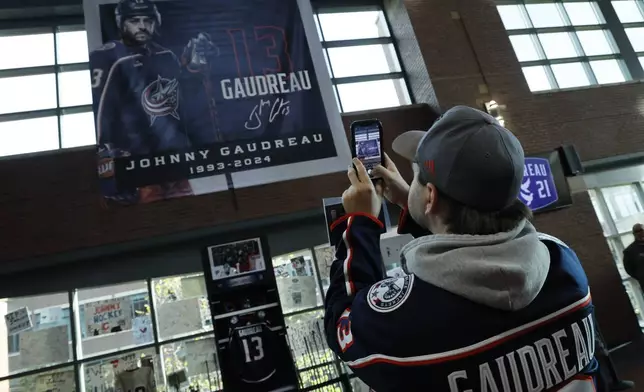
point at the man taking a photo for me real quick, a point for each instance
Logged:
(487, 303)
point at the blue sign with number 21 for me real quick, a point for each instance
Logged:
(538, 188)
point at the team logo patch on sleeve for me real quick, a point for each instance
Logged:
(389, 294)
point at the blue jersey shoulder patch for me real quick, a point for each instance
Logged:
(389, 294)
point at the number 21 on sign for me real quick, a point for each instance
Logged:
(543, 189)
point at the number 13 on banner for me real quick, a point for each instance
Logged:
(272, 38)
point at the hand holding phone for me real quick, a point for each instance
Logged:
(366, 143)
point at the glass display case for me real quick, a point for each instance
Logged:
(159, 330)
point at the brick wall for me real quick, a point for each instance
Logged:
(50, 202)
(601, 121)
(470, 60)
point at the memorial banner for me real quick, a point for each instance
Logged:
(200, 96)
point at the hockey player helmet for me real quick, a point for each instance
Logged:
(129, 8)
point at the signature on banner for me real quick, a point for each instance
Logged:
(280, 107)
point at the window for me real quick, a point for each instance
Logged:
(181, 306)
(53, 107)
(362, 60)
(633, 290)
(297, 281)
(631, 15)
(161, 323)
(628, 11)
(624, 206)
(108, 318)
(601, 216)
(312, 356)
(566, 44)
(39, 335)
(618, 208)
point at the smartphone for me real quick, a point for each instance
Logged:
(366, 143)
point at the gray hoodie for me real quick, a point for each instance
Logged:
(504, 270)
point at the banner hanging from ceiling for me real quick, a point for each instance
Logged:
(198, 96)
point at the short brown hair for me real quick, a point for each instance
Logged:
(461, 219)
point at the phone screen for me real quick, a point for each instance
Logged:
(367, 145)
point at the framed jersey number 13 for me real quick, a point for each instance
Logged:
(253, 349)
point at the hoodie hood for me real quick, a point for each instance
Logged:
(504, 270)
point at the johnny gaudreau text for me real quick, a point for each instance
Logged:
(226, 152)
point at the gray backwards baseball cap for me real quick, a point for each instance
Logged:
(469, 157)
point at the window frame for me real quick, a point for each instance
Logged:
(626, 57)
(55, 26)
(329, 7)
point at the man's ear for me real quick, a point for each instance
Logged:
(431, 205)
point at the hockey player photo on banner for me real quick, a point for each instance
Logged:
(197, 96)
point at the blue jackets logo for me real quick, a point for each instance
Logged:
(538, 188)
(389, 294)
(161, 98)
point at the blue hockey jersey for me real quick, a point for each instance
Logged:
(510, 312)
(144, 102)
